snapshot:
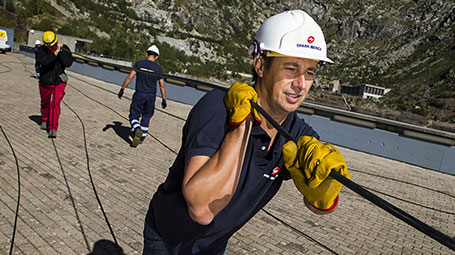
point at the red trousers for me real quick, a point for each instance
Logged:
(51, 96)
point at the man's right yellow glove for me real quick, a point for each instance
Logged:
(238, 104)
(309, 162)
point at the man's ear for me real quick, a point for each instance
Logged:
(259, 66)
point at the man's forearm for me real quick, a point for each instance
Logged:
(128, 79)
(126, 82)
(210, 187)
(163, 90)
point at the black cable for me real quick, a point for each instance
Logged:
(410, 202)
(300, 232)
(71, 196)
(395, 211)
(24, 64)
(409, 183)
(170, 149)
(91, 179)
(64, 175)
(18, 200)
(287, 136)
(99, 87)
(94, 100)
(402, 181)
(16, 214)
(334, 174)
(7, 71)
(191, 82)
(67, 184)
(178, 78)
(178, 117)
(163, 144)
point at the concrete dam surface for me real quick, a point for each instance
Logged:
(59, 212)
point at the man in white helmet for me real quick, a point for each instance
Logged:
(143, 103)
(35, 49)
(232, 161)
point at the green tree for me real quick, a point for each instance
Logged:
(45, 25)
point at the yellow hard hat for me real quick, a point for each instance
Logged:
(49, 38)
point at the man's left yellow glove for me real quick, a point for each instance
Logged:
(309, 162)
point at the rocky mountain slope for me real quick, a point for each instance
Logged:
(405, 45)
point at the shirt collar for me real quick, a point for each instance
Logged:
(258, 131)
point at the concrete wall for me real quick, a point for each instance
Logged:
(385, 143)
(371, 140)
(34, 35)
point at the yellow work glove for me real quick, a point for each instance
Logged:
(238, 104)
(309, 162)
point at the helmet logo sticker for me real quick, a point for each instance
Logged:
(310, 39)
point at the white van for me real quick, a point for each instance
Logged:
(4, 47)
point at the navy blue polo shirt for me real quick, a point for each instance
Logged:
(260, 179)
(145, 82)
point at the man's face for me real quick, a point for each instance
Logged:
(286, 82)
(50, 48)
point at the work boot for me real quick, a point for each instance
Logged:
(137, 138)
(52, 134)
(144, 135)
(43, 126)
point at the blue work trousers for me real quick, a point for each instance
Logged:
(142, 107)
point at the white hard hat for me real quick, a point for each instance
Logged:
(292, 33)
(153, 48)
(37, 42)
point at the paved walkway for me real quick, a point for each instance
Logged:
(59, 212)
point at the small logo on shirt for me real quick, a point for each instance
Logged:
(273, 175)
(147, 70)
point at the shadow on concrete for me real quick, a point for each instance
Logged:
(35, 118)
(106, 247)
(122, 131)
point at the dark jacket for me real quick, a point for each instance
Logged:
(51, 66)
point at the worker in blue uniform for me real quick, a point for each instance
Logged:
(37, 65)
(232, 161)
(142, 105)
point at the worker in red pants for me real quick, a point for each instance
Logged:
(51, 96)
(53, 58)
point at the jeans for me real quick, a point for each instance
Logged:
(154, 245)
